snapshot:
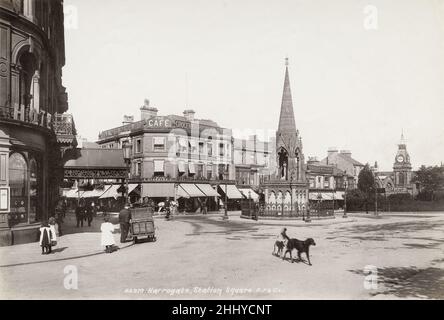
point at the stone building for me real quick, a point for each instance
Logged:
(343, 161)
(32, 55)
(172, 155)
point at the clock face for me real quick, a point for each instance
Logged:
(400, 159)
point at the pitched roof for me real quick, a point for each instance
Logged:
(344, 157)
(94, 158)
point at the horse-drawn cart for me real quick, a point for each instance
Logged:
(142, 225)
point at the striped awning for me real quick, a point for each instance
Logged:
(192, 190)
(208, 190)
(112, 192)
(249, 192)
(232, 191)
(96, 193)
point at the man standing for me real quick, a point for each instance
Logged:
(80, 214)
(167, 208)
(124, 220)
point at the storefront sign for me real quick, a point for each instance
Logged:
(41, 117)
(4, 199)
(159, 123)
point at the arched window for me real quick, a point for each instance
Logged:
(18, 176)
(35, 186)
(401, 178)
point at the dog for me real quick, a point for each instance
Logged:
(280, 246)
(300, 246)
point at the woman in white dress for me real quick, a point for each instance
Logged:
(107, 229)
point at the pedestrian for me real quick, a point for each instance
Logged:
(203, 207)
(59, 214)
(54, 230)
(45, 238)
(282, 236)
(90, 212)
(107, 239)
(124, 220)
(167, 208)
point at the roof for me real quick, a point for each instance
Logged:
(94, 158)
(344, 157)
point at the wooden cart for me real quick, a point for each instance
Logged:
(142, 225)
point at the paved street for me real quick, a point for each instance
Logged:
(204, 257)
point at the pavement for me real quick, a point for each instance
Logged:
(392, 256)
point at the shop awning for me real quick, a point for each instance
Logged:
(249, 192)
(181, 193)
(72, 193)
(112, 192)
(192, 190)
(338, 195)
(96, 193)
(208, 190)
(232, 191)
(158, 190)
(191, 168)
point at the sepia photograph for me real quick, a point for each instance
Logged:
(189, 150)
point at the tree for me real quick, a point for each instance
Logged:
(430, 179)
(366, 184)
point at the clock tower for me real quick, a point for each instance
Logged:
(402, 168)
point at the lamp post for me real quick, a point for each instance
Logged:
(225, 217)
(345, 199)
(127, 157)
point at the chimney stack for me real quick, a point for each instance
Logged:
(332, 151)
(127, 119)
(189, 115)
(146, 111)
(346, 153)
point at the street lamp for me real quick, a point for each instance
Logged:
(225, 217)
(126, 146)
(345, 198)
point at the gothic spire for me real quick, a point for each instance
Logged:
(287, 125)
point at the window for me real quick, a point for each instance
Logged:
(193, 146)
(138, 145)
(199, 170)
(159, 144)
(159, 168)
(138, 168)
(18, 179)
(182, 145)
(201, 148)
(210, 149)
(221, 149)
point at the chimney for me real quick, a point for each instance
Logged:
(346, 153)
(189, 115)
(332, 151)
(127, 119)
(146, 111)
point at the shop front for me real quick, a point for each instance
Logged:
(26, 153)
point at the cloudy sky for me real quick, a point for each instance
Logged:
(357, 79)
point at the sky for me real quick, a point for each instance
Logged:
(361, 72)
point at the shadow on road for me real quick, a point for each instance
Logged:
(404, 282)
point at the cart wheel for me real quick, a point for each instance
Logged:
(154, 239)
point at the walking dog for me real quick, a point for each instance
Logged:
(300, 246)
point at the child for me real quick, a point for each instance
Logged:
(53, 225)
(45, 238)
(107, 229)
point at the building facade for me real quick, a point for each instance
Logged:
(253, 159)
(398, 180)
(172, 154)
(32, 55)
(343, 161)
